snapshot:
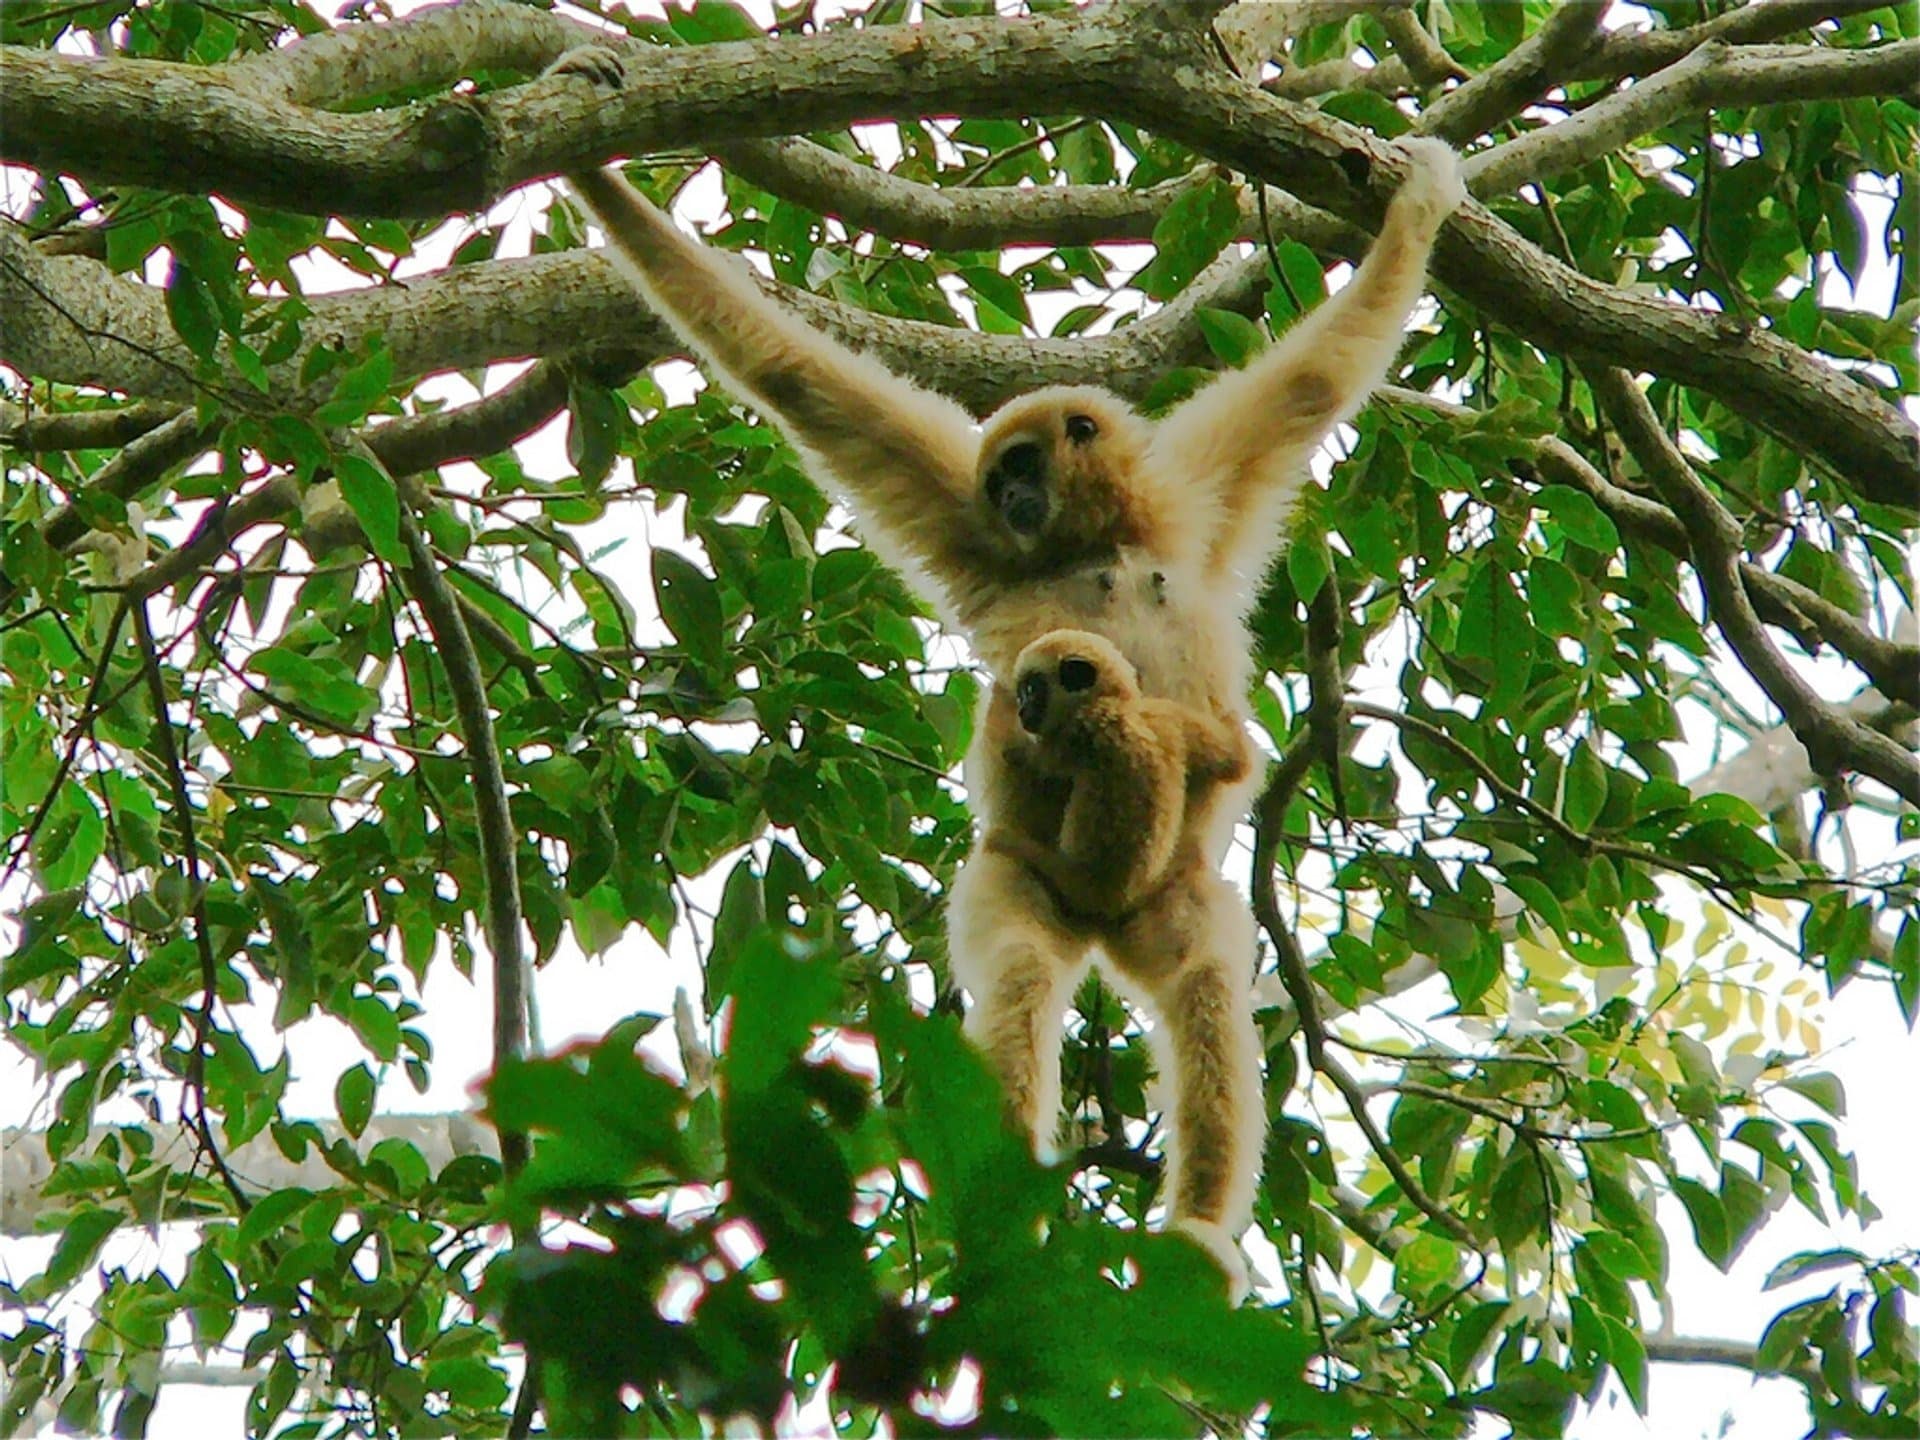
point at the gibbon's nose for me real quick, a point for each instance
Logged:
(1030, 697)
(1021, 461)
(1016, 486)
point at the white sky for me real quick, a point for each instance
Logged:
(578, 997)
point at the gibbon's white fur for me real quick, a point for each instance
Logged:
(1137, 767)
(1072, 511)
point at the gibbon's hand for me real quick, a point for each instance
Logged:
(600, 64)
(1434, 187)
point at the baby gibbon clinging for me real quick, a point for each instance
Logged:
(1072, 511)
(1136, 767)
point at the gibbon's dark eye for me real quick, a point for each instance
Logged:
(1030, 699)
(1077, 674)
(1081, 428)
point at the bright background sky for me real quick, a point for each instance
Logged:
(578, 998)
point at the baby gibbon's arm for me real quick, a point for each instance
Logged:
(1216, 746)
(904, 455)
(1249, 434)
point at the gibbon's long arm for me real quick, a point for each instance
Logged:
(1249, 434)
(904, 456)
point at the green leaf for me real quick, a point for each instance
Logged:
(269, 1214)
(190, 308)
(789, 1174)
(1519, 1201)
(1579, 518)
(1194, 229)
(1823, 1089)
(1425, 1264)
(317, 683)
(1306, 278)
(690, 604)
(1629, 1357)
(375, 501)
(358, 391)
(353, 1098)
(468, 1380)
(1812, 1262)
(1586, 787)
(84, 1232)
(1233, 338)
(1709, 1219)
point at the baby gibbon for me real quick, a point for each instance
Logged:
(1135, 766)
(1072, 511)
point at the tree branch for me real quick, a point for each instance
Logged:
(493, 814)
(1713, 76)
(1519, 77)
(260, 1163)
(1426, 62)
(1645, 51)
(950, 218)
(1269, 814)
(1833, 739)
(1096, 63)
(110, 428)
(1352, 1208)
(1774, 770)
(1893, 665)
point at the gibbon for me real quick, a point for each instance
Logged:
(1072, 511)
(1136, 768)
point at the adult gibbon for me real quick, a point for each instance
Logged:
(1072, 511)
(1136, 768)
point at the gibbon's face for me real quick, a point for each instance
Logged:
(1057, 474)
(1059, 673)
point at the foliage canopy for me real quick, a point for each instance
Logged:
(262, 625)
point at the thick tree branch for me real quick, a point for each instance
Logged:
(1426, 62)
(1713, 76)
(110, 428)
(1774, 771)
(1518, 78)
(70, 318)
(1095, 63)
(1645, 51)
(991, 216)
(141, 464)
(493, 814)
(407, 446)
(1305, 82)
(1861, 436)
(955, 218)
(1833, 739)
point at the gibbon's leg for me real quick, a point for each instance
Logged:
(1248, 435)
(1193, 961)
(1021, 965)
(905, 455)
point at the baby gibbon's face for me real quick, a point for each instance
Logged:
(1059, 673)
(1057, 474)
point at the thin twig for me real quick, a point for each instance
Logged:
(197, 888)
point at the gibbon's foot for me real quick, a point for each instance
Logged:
(596, 63)
(1434, 187)
(1224, 1250)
